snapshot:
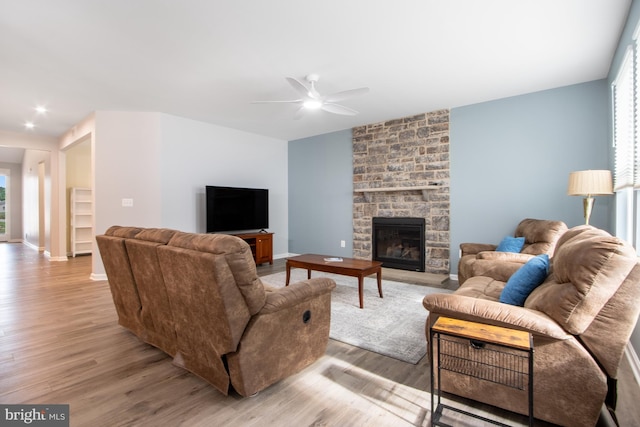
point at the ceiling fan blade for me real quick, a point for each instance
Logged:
(299, 113)
(341, 96)
(292, 101)
(338, 109)
(299, 87)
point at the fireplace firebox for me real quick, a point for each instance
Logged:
(399, 242)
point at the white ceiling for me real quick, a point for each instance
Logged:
(207, 60)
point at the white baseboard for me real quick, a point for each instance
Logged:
(453, 277)
(634, 361)
(55, 258)
(287, 255)
(97, 277)
(31, 245)
(46, 253)
(15, 240)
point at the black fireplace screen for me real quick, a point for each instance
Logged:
(399, 242)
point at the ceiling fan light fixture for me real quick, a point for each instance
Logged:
(310, 99)
(312, 104)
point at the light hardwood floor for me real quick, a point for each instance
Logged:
(60, 343)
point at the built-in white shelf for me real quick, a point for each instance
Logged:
(81, 221)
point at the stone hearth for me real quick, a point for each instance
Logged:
(393, 162)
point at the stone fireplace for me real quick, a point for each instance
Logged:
(401, 170)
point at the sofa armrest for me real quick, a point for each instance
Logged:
(497, 270)
(290, 332)
(281, 298)
(494, 313)
(474, 248)
(505, 256)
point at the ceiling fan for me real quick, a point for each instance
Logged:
(312, 100)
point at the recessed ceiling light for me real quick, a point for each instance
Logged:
(29, 125)
(41, 109)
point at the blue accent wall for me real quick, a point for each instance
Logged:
(511, 159)
(321, 194)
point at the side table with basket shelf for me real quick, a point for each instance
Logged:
(490, 353)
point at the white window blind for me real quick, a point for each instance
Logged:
(634, 151)
(624, 124)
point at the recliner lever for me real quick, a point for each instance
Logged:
(306, 316)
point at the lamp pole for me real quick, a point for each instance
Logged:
(587, 204)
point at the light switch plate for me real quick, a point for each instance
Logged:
(127, 203)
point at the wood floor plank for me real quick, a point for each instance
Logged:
(60, 343)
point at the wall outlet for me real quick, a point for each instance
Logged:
(343, 243)
(127, 203)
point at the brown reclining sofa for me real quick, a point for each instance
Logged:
(482, 259)
(581, 318)
(198, 298)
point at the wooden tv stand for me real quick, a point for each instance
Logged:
(261, 246)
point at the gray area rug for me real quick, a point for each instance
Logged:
(393, 326)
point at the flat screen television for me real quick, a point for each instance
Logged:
(236, 209)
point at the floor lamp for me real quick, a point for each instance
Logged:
(589, 183)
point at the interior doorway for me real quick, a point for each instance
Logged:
(78, 181)
(4, 205)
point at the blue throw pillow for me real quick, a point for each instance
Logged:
(511, 244)
(525, 280)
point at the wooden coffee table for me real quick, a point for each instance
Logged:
(359, 268)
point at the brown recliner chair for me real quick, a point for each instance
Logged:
(482, 259)
(580, 317)
(230, 328)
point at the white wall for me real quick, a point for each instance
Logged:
(164, 162)
(126, 165)
(196, 154)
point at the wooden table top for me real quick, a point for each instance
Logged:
(479, 331)
(346, 263)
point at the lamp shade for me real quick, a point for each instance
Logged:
(590, 183)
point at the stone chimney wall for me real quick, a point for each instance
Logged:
(406, 152)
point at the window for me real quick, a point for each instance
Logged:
(625, 139)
